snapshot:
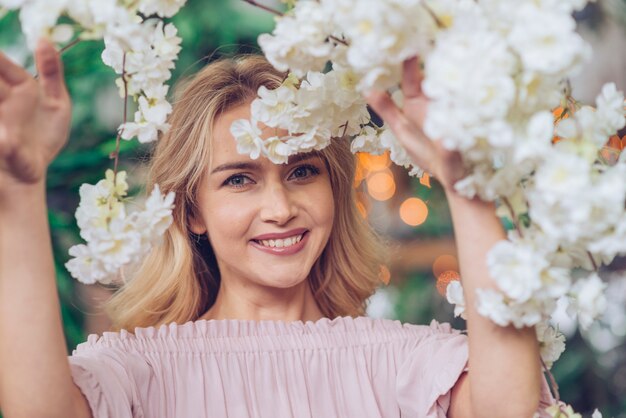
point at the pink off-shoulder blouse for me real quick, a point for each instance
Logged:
(344, 367)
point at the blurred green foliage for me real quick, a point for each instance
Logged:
(211, 29)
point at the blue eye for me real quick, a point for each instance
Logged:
(304, 172)
(238, 180)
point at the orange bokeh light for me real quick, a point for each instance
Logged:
(444, 279)
(374, 162)
(443, 263)
(381, 185)
(359, 175)
(413, 211)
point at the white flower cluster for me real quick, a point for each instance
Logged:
(142, 49)
(455, 296)
(114, 238)
(311, 112)
(551, 341)
(493, 78)
(562, 410)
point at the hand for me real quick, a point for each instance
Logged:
(407, 124)
(34, 118)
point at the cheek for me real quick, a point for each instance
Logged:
(322, 205)
(227, 221)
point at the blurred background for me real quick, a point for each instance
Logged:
(412, 215)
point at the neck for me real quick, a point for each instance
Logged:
(247, 302)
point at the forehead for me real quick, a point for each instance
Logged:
(223, 145)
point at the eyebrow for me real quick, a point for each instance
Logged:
(247, 165)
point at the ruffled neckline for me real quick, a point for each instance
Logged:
(239, 334)
(246, 327)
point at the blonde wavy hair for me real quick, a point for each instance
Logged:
(178, 281)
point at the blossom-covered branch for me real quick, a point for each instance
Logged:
(493, 79)
(142, 49)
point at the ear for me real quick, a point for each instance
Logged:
(196, 225)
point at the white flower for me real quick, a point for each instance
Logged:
(248, 137)
(100, 203)
(277, 151)
(300, 40)
(84, 267)
(12, 4)
(468, 79)
(516, 268)
(38, 18)
(116, 245)
(381, 35)
(397, 153)
(588, 299)
(154, 220)
(454, 295)
(367, 141)
(596, 414)
(163, 8)
(551, 343)
(166, 43)
(115, 240)
(611, 109)
(613, 243)
(562, 410)
(491, 304)
(546, 40)
(150, 119)
(536, 142)
(274, 107)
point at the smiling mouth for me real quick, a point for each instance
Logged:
(281, 243)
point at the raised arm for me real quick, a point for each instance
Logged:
(504, 378)
(35, 378)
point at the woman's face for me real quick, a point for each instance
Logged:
(267, 223)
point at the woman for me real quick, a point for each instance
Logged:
(274, 257)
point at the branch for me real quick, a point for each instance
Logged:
(345, 129)
(432, 14)
(339, 41)
(554, 388)
(593, 261)
(69, 46)
(116, 153)
(513, 217)
(263, 7)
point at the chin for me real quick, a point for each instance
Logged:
(282, 281)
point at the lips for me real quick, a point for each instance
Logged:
(296, 240)
(281, 235)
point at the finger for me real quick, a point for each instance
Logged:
(411, 78)
(409, 135)
(50, 69)
(10, 72)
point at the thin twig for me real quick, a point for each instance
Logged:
(513, 217)
(339, 41)
(432, 14)
(69, 46)
(345, 129)
(264, 7)
(593, 261)
(116, 153)
(552, 383)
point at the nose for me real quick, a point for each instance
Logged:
(278, 205)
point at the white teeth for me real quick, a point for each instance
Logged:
(281, 243)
